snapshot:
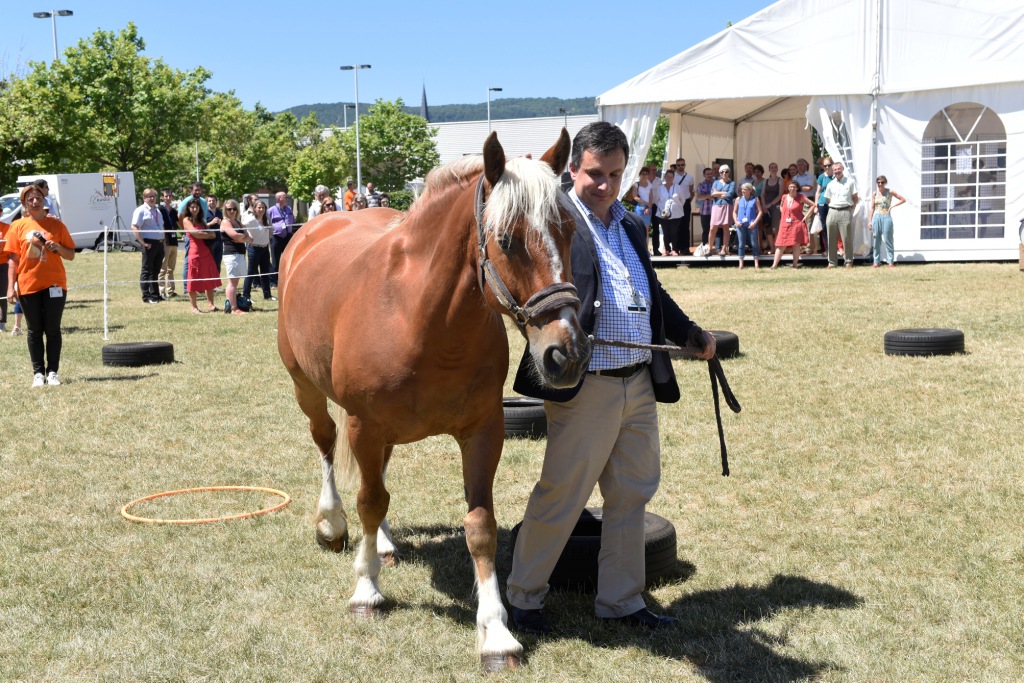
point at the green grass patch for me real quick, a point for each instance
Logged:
(870, 530)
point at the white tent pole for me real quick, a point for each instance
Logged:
(875, 89)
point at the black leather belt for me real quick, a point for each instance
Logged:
(840, 208)
(622, 373)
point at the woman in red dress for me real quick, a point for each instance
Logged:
(792, 228)
(203, 275)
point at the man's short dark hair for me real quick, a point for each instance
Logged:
(599, 137)
(40, 183)
(195, 185)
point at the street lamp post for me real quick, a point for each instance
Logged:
(565, 115)
(489, 91)
(347, 107)
(359, 171)
(53, 14)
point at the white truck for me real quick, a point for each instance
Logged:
(85, 208)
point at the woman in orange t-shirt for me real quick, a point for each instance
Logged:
(38, 245)
(4, 227)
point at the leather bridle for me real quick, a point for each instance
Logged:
(552, 297)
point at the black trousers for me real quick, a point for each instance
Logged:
(43, 314)
(152, 260)
(277, 246)
(684, 230)
(655, 236)
(670, 226)
(259, 262)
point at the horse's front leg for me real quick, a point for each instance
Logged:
(372, 504)
(497, 647)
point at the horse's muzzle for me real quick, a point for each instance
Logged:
(561, 351)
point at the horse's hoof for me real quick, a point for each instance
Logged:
(495, 663)
(335, 545)
(390, 559)
(364, 611)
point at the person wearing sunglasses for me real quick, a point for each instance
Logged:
(881, 221)
(723, 193)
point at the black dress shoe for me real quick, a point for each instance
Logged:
(530, 621)
(645, 618)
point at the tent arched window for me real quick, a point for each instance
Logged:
(963, 174)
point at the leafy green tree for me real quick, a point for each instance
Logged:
(656, 154)
(395, 146)
(105, 106)
(321, 160)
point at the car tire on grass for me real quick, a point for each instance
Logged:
(136, 354)
(524, 418)
(576, 569)
(924, 342)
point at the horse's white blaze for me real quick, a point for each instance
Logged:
(492, 635)
(330, 519)
(367, 568)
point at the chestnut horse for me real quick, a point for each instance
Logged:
(397, 320)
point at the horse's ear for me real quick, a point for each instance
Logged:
(494, 159)
(558, 155)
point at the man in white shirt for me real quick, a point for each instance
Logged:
(148, 228)
(841, 195)
(320, 193)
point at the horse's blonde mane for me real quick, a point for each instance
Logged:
(528, 191)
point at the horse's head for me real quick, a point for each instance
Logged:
(525, 237)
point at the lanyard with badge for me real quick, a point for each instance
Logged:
(638, 303)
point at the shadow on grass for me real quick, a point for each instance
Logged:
(81, 303)
(117, 378)
(724, 633)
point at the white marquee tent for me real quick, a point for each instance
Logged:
(929, 93)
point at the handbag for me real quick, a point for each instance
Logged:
(816, 225)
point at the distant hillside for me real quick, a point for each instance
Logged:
(505, 108)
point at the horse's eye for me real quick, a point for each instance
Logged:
(505, 241)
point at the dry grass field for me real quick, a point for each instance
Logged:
(870, 531)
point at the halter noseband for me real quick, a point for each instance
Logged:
(546, 300)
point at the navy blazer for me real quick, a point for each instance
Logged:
(667, 319)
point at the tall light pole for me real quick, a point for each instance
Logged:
(565, 115)
(489, 91)
(347, 107)
(53, 14)
(359, 171)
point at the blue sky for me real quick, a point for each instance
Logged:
(288, 53)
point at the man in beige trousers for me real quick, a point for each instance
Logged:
(604, 431)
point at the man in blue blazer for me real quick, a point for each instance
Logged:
(604, 431)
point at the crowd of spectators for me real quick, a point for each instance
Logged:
(758, 213)
(244, 239)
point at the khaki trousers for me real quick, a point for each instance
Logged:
(840, 221)
(166, 277)
(607, 435)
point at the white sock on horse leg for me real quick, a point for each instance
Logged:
(492, 635)
(385, 543)
(367, 567)
(331, 521)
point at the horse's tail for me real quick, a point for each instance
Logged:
(346, 469)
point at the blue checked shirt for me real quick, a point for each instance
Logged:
(622, 277)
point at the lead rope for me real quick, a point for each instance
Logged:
(714, 370)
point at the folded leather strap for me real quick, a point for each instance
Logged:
(622, 373)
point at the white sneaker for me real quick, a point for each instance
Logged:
(16, 331)
(53, 380)
(38, 380)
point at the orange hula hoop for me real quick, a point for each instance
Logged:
(245, 515)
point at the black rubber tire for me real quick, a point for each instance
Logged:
(524, 418)
(924, 342)
(576, 569)
(135, 354)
